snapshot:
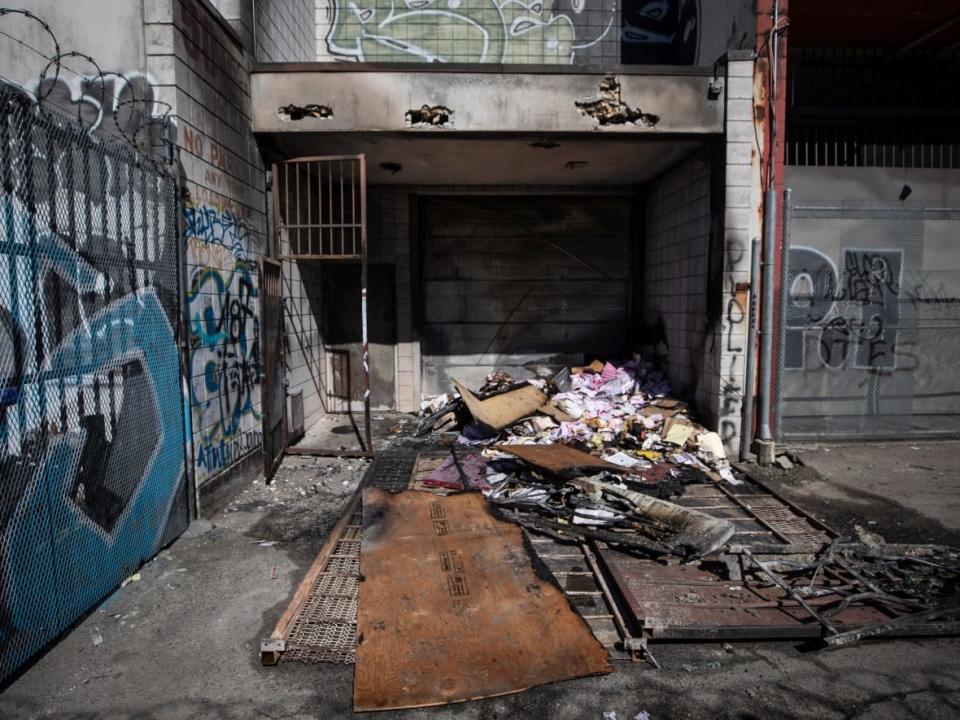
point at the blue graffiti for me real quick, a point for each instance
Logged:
(217, 227)
(63, 553)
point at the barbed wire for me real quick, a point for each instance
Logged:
(54, 63)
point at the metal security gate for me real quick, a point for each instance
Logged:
(870, 322)
(92, 426)
(320, 214)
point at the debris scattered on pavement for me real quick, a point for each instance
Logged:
(132, 579)
(96, 636)
(577, 455)
(783, 462)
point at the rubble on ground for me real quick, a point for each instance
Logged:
(580, 455)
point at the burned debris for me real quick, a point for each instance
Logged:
(594, 483)
(299, 112)
(609, 109)
(433, 115)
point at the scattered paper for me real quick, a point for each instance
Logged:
(711, 443)
(623, 460)
(677, 432)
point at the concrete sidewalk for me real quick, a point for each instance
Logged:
(906, 491)
(183, 641)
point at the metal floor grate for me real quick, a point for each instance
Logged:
(325, 628)
(784, 521)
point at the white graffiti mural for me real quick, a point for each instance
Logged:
(471, 31)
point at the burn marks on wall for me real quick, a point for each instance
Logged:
(609, 108)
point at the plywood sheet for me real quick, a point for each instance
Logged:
(558, 458)
(451, 608)
(503, 410)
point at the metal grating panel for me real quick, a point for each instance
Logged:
(92, 428)
(784, 521)
(325, 628)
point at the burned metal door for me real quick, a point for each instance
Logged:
(274, 392)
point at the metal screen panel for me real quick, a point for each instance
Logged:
(91, 411)
(870, 322)
(320, 206)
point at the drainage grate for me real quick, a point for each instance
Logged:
(785, 522)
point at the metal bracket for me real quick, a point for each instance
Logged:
(639, 650)
(271, 649)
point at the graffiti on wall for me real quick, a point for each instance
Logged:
(113, 103)
(224, 338)
(468, 31)
(852, 311)
(91, 421)
(516, 31)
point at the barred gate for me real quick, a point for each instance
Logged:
(870, 322)
(92, 424)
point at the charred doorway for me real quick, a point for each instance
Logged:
(513, 282)
(343, 334)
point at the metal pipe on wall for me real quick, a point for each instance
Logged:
(746, 425)
(769, 241)
(766, 333)
(365, 350)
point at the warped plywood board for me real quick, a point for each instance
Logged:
(452, 609)
(505, 409)
(559, 458)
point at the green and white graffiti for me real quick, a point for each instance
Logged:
(464, 31)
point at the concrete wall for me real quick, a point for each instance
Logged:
(676, 247)
(75, 89)
(736, 221)
(285, 30)
(599, 33)
(272, 30)
(202, 69)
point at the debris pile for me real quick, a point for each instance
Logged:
(591, 452)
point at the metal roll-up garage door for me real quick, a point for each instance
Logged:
(509, 282)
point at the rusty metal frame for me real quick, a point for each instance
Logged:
(356, 227)
(846, 615)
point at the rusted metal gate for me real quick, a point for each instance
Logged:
(320, 208)
(274, 394)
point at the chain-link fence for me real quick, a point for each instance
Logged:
(91, 411)
(870, 323)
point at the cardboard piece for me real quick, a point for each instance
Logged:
(677, 431)
(505, 409)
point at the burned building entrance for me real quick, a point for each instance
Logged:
(506, 240)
